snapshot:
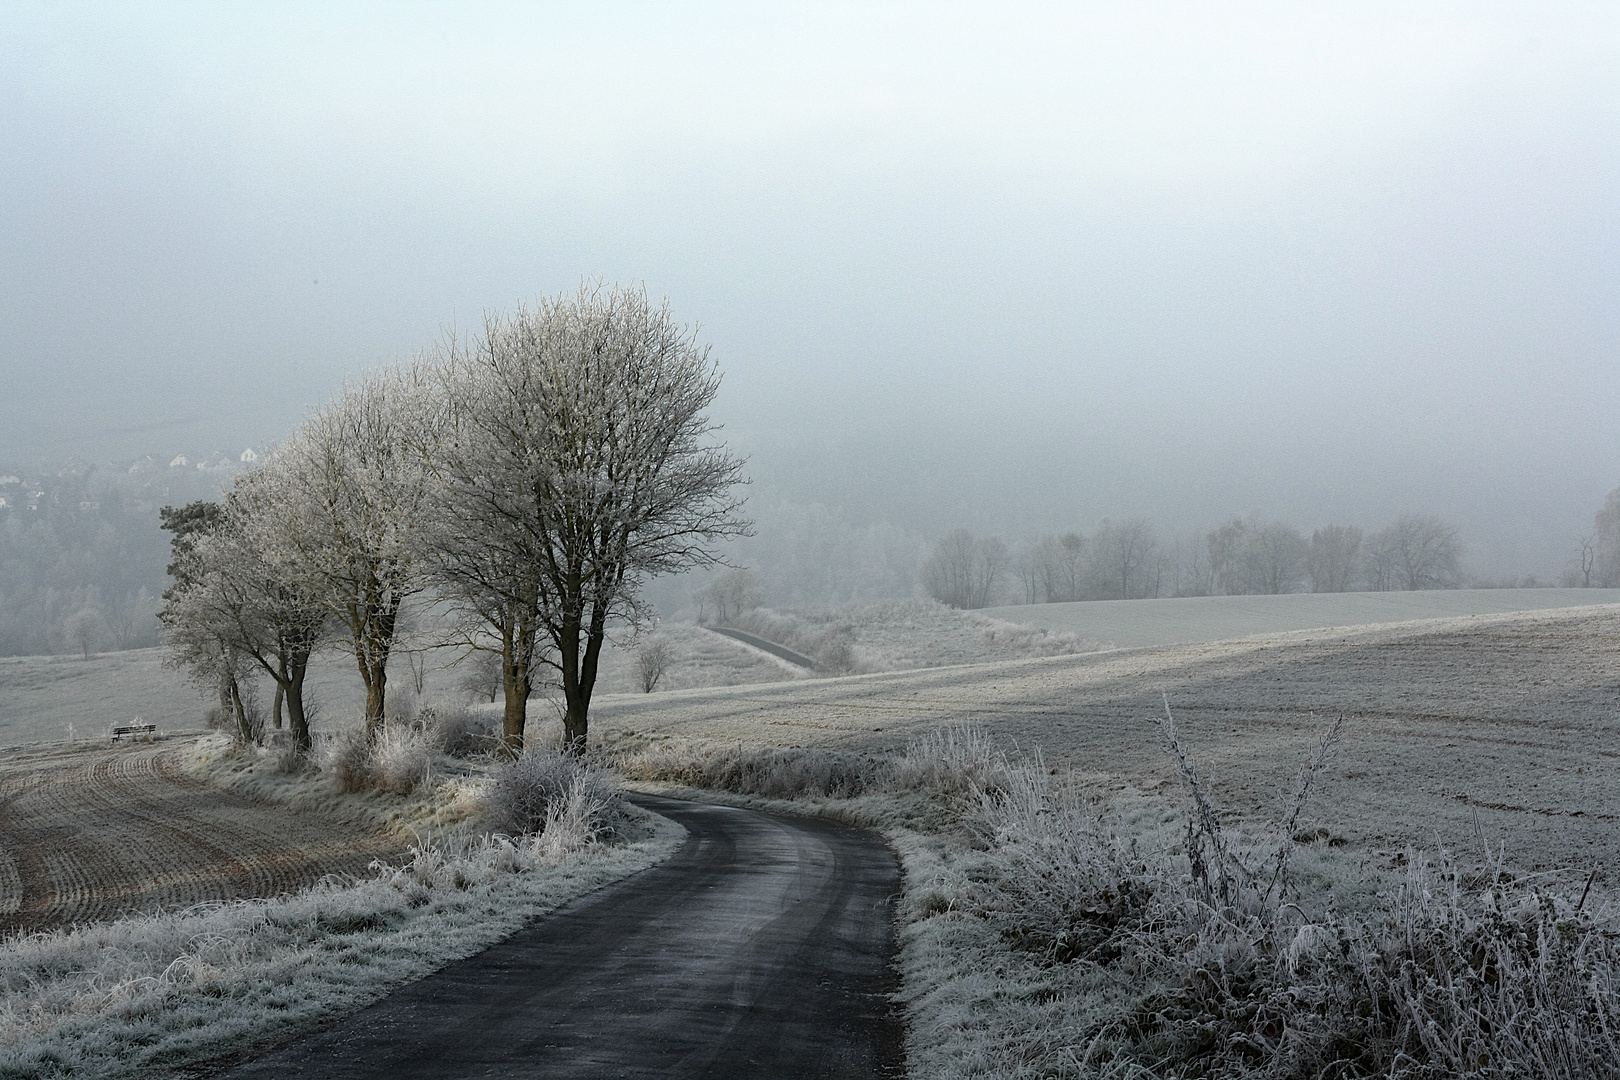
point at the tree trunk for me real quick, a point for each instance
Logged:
(517, 678)
(243, 726)
(281, 693)
(516, 714)
(375, 676)
(579, 680)
(373, 640)
(297, 719)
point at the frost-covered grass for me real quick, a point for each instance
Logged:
(332, 782)
(153, 996)
(156, 994)
(1050, 929)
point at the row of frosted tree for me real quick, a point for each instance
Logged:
(524, 482)
(1128, 560)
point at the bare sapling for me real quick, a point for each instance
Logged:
(652, 660)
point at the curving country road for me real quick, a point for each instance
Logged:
(761, 949)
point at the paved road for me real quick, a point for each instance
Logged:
(766, 645)
(761, 949)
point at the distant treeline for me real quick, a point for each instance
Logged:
(1127, 560)
(81, 555)
(1243, 556)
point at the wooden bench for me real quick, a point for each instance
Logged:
(131, 731)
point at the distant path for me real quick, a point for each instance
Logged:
(766, 645)
(94, 834)
(760, 950)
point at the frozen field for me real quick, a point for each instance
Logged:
(1508, 720)
(93, 833)
(50, 698)
(1131, 624)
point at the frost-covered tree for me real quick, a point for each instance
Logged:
(576, 461)
(1052, 570)
(236, 609)
(730, 594)
(1228, 570)
(194, 643)
(349, 495)
(83, 629)
(1605, 564)
(1335, 557)
(1125, 559)
(1419, 551)
(964, 570)
(652, 660)
(1276, 557)
(280, 618)
(199, 630)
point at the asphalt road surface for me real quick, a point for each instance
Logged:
(766, 645)
(761, 949)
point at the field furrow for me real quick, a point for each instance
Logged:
(93, 834)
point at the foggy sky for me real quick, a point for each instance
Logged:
(1009, 267)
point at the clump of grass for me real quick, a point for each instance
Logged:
(345, 756)
(398, 761)
(459, 731)
(958, 760)
(954, 761)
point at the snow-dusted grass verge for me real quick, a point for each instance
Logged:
(417, 791)
(153, 996)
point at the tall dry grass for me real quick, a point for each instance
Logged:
(953, 761)
(1230, 974)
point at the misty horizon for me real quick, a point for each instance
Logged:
(1014, 273)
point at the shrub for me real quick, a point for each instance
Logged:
(542, 790)
(1233, 977)
(345, 756)
(459, 732)
(652, 660)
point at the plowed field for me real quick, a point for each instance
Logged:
(1500, 728)
(92, 834)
